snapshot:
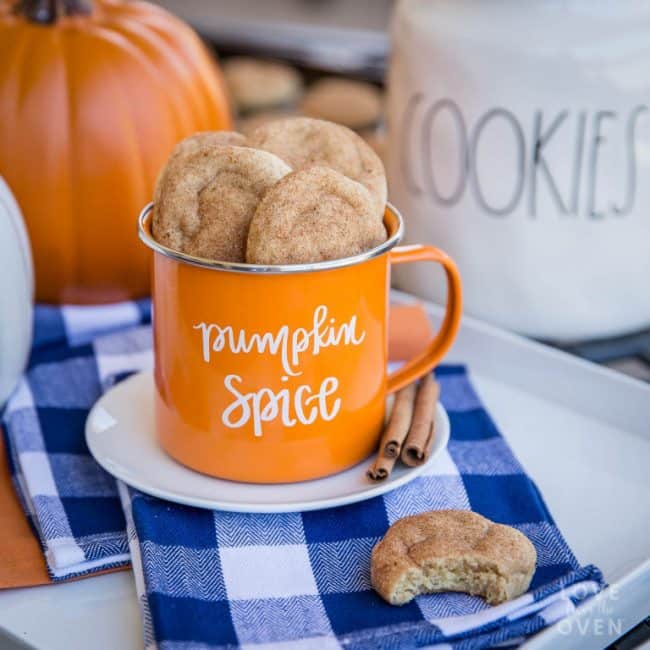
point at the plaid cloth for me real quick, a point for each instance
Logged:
(300, 580)
(71, 502)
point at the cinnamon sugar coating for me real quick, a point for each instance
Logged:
(303, 142)
(201, 139)
(313, 215)
(206, 199)
(452, 550)
(192, 144)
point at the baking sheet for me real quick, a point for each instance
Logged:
(581, 431)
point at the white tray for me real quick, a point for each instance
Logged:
(581, 431)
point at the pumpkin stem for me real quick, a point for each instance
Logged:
(46, 12)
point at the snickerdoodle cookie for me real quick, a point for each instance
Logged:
(202, 139)
(355, 104)
(313, 215)
(452, 550)
(302, 142)
(206, 199)
(196, 142)
(249, 123)
(256, 84)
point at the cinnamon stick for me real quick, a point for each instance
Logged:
(399, 422)
(381, 468)
(419, 440)
(390, 444)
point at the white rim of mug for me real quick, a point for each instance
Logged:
(269, 269)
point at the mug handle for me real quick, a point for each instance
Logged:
(425, 362)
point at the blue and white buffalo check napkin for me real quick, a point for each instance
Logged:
(71, 502)
(209, 579)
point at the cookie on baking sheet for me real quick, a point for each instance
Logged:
(206, 199)
(452, 550)
(313, 215)
(303, 141)
(355, 104)
(255, 84)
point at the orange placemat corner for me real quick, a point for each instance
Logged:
(409, 331)
(21, 559)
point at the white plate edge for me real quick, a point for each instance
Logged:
(252, 508)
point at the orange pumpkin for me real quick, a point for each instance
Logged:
(93, 96)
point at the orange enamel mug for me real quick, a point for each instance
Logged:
(274, 374)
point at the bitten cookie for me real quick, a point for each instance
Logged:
(313, 215)
(302, 142)
(205, 200)
(355, 104)
(452, 550)
(255, 84)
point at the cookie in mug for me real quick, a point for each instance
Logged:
(303, 142)
(313, 215)
(206, 198)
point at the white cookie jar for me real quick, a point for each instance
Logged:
(519, 142)
(16, 293)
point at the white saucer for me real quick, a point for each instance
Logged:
(120, 435)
